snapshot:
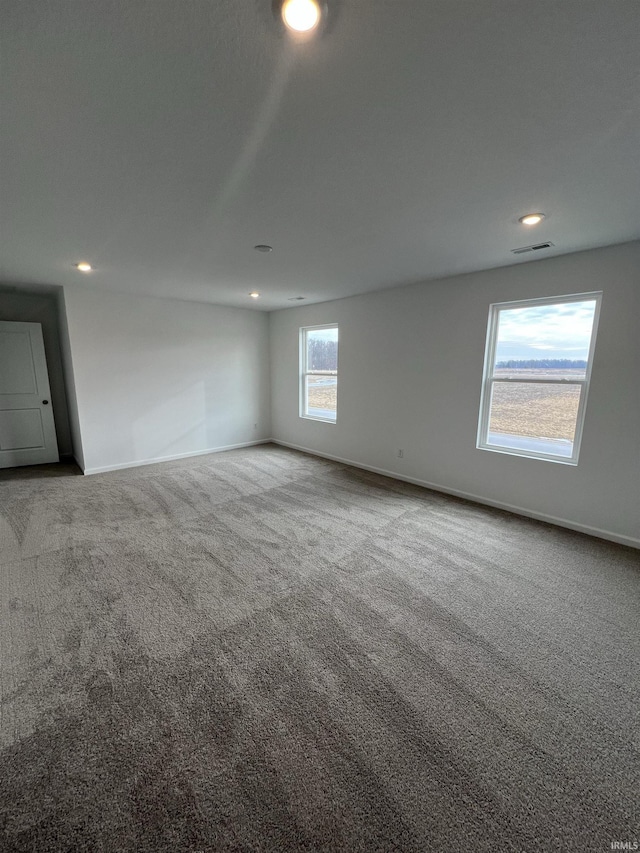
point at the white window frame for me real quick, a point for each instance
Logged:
(488, 379)
(304, 372)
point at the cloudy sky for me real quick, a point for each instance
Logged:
(546, 331)
(324, 334)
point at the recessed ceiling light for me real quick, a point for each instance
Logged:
(83, 266)
(296, 298)
(531, 218)
(262, 248)
(301, 16)
(254, 294)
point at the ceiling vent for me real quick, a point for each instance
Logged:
(535, 248)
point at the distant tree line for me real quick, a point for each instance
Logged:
(323, 355)
(547, 363)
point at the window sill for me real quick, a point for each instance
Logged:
(532, 448)
(318, 418)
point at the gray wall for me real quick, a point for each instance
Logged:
(24, 307)
(410, 373)
(160, 378)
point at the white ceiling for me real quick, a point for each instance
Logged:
(162, 139)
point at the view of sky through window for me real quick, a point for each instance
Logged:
(561, 331)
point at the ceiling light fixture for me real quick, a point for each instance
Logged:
(301, 16)
(254, 294)
(83, 266)
(531, 218)
(264, 249)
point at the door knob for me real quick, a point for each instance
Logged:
(45, 402)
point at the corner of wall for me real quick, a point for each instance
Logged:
(69, 380)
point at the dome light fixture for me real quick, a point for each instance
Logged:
(261, 247)
(531, 218)
(301, 16)
(83, 266)
(254, 294)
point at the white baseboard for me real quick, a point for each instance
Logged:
(103, 469)
(518, 510)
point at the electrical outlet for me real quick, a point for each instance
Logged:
(400, 454)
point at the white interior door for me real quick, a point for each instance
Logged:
(27, 429)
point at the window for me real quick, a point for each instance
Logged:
(319, 373)
(536, 376)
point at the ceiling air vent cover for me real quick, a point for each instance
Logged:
(535, 248)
